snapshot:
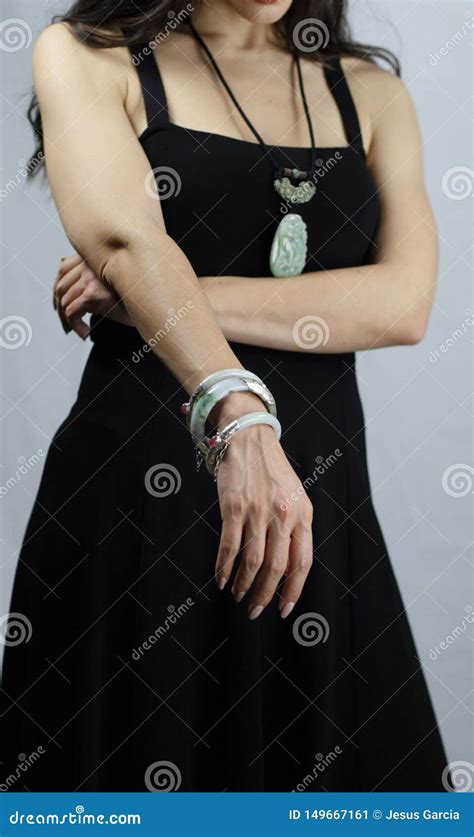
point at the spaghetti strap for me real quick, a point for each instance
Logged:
(337, 83)
(153, 91)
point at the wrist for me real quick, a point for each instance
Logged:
(233, 406)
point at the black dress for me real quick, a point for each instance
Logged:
(135, 658)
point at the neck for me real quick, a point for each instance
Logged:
(221, 22)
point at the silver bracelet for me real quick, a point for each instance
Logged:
(218, 444)
(188, 406)
(204, 405)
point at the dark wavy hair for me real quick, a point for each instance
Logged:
(322, 26)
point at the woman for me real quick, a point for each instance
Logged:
(293, 229)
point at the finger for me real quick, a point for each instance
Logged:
(253, 553)
(274, 565)
(74, 314)
(300, 563)
(231, 538)
(64, 281)
(80, 327)
(68, 262)
(74, 292)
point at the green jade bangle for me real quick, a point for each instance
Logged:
(206, 402)
(188, 406)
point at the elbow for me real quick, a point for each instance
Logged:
(134, 246)
(412, 328)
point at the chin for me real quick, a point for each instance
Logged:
(261, 11)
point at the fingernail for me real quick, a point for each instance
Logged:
(255, 612)
(238, 597)
(221, 583)
(285, 611)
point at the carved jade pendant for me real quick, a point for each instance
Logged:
(288, 253)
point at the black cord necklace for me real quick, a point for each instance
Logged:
(289, 248)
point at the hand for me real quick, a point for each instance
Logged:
(254, 483)
(77, 292)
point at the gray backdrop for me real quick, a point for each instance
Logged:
(417, 399)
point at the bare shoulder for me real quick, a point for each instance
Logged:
(377, 86)
(62, 61)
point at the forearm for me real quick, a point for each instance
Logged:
(351, 309)
(165, 302)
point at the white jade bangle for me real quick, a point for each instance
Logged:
(206, 403)
(200, 390)
(219, 443)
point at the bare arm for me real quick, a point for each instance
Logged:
(97, 171)
(381, 304)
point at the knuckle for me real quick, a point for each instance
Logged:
(236, 506)
(226, 551)
(253, 562)
(89, 293)
(280, 508)
(276, 569)
(305, 563)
